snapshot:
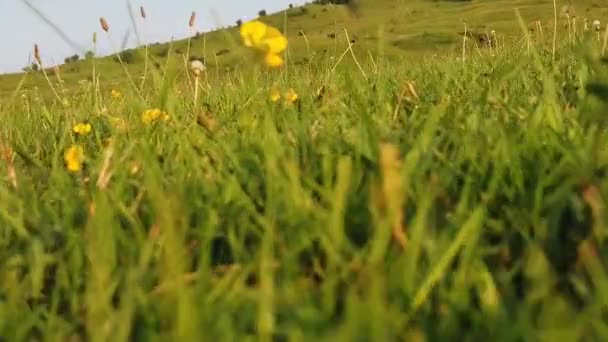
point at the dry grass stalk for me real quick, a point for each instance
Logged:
(540, 31)
(186, 279)
(8, 156)
(593, 198)
(407, 94)
(39, 61)
(553, 50)
(464, 43)
(605, 44)
(106, 173)
(388, 196)
(569, 27)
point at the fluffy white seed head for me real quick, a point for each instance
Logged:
(197, 67)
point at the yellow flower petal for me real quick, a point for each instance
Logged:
(275, 95)
(291, 96)
(272, 32)
(119, 123)
(151, 115)
(74, 157)
(273, 60)
(252, 33)
(274, 41)
(82, 128)
(275, 44)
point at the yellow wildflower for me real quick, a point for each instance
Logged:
(275, 95)
(291, 96)
(152, 115)
(119, 123)
(273, 60)
(252, 33)
(116, 94)
(274, 41)
(74, 157)
(264, 38)
(82, 128)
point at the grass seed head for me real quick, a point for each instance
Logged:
(192, 19)
(197, 67)
(104, 24)
(37, 54)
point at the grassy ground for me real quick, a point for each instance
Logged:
(240, 218)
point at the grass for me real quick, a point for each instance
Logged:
(244, 219)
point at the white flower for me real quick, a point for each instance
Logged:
(197, 67)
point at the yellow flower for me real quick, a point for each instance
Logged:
(252, 33)
(273, 60)
(116, 94)
(82, 128)
(275, 95)
(291, 96)
(152, 115)
(264, 38)
(119, 123)
(74, 157)
(274, 41)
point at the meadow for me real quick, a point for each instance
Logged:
(416, 186)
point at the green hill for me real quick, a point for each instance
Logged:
(397, 28)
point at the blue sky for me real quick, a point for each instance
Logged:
(21, 28)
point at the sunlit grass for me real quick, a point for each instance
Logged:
(341, 199)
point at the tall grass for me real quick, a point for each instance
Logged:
(248, 219)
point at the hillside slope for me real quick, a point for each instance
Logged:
(400, 28)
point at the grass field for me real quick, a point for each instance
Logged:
(438, 195)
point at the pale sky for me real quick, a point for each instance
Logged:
(21, 27)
